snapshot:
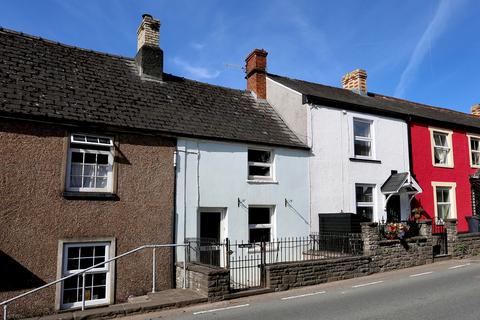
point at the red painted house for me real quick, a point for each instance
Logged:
(444, 158)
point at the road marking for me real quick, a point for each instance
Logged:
(460, 266)
(221, 309)
(420, 274)
(303, 295)
(367, 284)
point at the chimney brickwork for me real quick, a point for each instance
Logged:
(356, 81)
(149, 58)
(148, 32)
(256, 70)
(476, 110)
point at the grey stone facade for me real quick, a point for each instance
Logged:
(463, 245)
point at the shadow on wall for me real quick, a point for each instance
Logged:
(14, 276)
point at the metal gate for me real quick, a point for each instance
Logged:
(246, 262)
(439, 237)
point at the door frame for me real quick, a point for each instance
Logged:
(223, 227)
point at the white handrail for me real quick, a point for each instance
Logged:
(148, 246)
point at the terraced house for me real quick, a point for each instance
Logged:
(379, 156)
(95, 148)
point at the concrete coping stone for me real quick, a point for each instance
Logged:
(319, 262)
(203, 268)
(468, 235)
(387, 242)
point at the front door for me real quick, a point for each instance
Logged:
(210, 237)
(393, 209)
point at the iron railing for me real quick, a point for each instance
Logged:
(82, 273)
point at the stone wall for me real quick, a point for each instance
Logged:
(284, 276)
(461, 245)
(212, 281)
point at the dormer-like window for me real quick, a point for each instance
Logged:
(260, 164)
(363, 139)
(442, 151)
(90, 164)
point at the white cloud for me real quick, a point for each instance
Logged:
(196, 72)
(197, 46)
(435, 28)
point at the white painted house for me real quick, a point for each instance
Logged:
(360, 155)
(244, 192)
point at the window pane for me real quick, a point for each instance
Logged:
(90, 158)
(258, 215)
(362, 148)
(98, 293)
(76, 181)
(102, 170)
(440, 139)
(73, 252)
(361, 129)
(475, 158)
(443, 211)
(364, 193)
(100, 251)
(86, 262)
(70, 296)
(441, 155)
(73, 264)
(259, 235)
(89, 170)
(100, 182)
(474, 144)
(88, 182)
(77, 157)
(104, 140)
(259, 171)
(99, 279)
(443, 194)
(92, 139)
(86, 252)
(102, 159)
(76, 169)
(366, 212)
(259, 156)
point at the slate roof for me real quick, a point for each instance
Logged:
(41, 79)
(394, 182)
(377, 103)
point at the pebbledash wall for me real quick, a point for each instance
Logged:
(426, 173)
(333, 171)
(213, 176)
(35, 217)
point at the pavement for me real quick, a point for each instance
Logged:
(443, 290)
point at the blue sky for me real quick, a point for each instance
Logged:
(423, 50)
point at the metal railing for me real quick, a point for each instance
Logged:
(84, 271)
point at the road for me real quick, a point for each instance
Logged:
(443, 290)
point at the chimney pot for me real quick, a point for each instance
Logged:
(149, 58)
(356, 81)
(256, 73)
(476, 110)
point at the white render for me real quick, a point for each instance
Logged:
(213, 174)
(330, 135)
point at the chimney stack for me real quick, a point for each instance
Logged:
(476, 110)
(356, 81)
(149, 58)
(256, 70)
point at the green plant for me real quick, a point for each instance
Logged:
(461, 248)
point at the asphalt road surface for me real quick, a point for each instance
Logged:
(444, 290)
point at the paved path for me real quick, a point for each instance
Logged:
(444, 290)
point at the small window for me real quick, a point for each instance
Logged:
(260, 224)
(362, 130)
(90, 164)
(442, 148)
(78, 257)
(474, 151)
(365, 200)
(260, 164)
(444, 203)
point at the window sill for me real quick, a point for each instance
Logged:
(445, 167)
(365, 160)
(100, 196)
(262, 181)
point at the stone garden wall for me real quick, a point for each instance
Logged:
(212, 281)
(461, 245)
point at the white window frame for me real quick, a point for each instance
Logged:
(372, 204)
(370, 139)
(110, 153)
(453, 208)
(470, 151)
(109, 269)
(270, 165)
(263, 225)
(449, 133)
